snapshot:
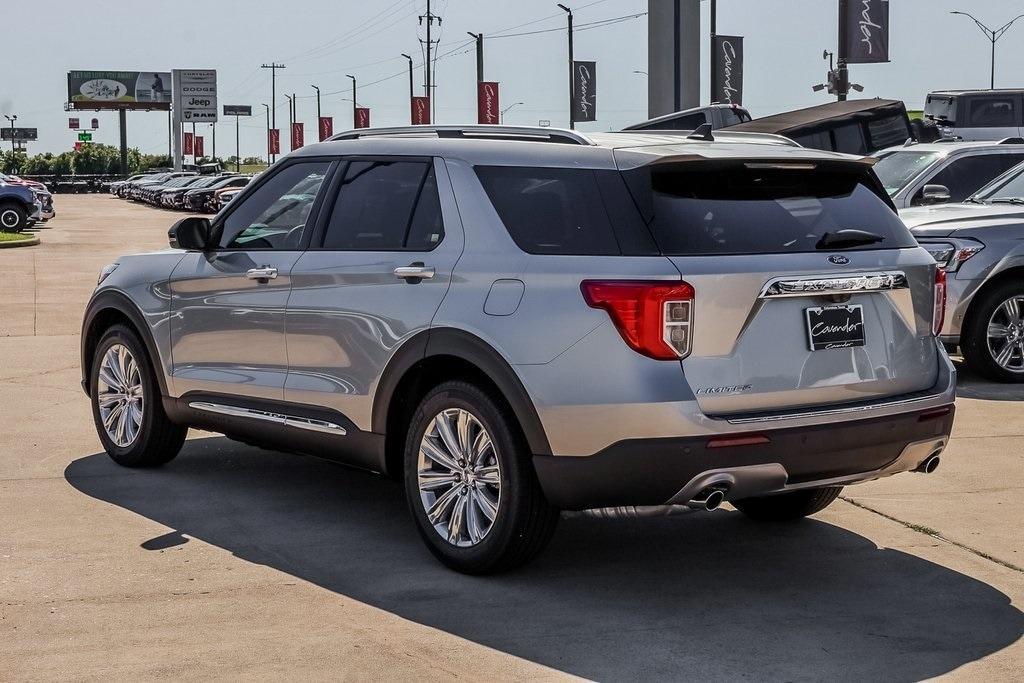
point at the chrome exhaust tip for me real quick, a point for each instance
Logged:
(709, 499)
(929, 465)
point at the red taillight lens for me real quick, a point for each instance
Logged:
(654, 318)
(939, 312)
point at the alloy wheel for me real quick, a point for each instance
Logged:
(1005, 334)
(9, 219)
(459, 477)
(120, 396)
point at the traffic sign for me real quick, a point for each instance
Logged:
(85, 137)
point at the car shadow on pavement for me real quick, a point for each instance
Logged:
(969, 384)
(710, 595)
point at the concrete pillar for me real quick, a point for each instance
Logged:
(673, 56)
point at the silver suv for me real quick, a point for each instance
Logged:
(517, 321)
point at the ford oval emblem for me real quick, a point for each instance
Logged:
(838, 259)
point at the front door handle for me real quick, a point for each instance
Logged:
(262, 274)
(414, 272)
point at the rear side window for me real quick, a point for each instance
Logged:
(551, 210)
(993, 112)
(738, 210)
(888, 131)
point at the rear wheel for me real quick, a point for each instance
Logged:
(470, 484)
(993, 339)
(788, 506)
(13, 218)
(126, 407)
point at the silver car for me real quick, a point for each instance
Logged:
(980, 245)
(516, 321)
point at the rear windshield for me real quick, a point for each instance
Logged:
(940, 108)
(740, 210)
(896, 169)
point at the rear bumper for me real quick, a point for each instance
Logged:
(675, 470)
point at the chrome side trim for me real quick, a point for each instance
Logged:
(862, 282)
(832, 411)
(306, 423)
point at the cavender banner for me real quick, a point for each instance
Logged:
(273, 141)
(186, 147)
(298, 136)
(119, 90)
(420, 111)
(728, 70)
(362, 117)
(326, 127)
(198, 143)
(866, 30)
(584, 91)
(487, 110)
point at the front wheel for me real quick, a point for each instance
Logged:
(13, 218)
(993, 338)
(787, 507)
(470, 483)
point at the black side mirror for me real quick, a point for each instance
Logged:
(935, 194)
(192, 233)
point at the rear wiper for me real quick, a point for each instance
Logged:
(847, 238)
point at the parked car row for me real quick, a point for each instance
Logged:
(180, 190)
(23, 203)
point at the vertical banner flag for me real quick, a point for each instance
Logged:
(326, 127)
(298, 137)
(362, 117)
(584, 91)
(187, 147)
(73, 124)
(198, 144)
(728, 70)
(867, 30)
(274, 141)
(487, 103)
(95, 124)
(420, 111)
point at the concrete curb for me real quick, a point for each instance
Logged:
(30, 242)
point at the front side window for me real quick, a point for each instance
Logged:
(386, 206)
(897, 169)
(966, 176)
(275, 216)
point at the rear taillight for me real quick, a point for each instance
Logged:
(939, 311)
(654, 318)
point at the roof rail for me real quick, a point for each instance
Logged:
(1011, 141)
(529, 133)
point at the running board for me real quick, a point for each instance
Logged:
(306, 423)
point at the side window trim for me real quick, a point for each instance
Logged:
(253, 187)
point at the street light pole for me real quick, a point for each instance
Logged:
(712, 77)
(355, 118)
(318, 134)
(993, 36)
(12, 118)
(508, 108)
(572, 118)
(479, 37)
(291, 120)
(273, 66)
(412, 90)
(267, 107)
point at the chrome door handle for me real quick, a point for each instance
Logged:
(262, 274)
(414, 272)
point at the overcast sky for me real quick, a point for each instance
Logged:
(322, 40)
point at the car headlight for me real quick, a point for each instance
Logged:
(951, 254)
(107, 270)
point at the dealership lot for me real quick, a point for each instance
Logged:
(234, 561)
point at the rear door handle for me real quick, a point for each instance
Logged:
(414, 272)
(262, 274)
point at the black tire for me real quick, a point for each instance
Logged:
(974, 338)
(524, 521)
(13, 217)
(788, 507)
(158, 439)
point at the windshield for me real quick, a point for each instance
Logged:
(1008, 186)
(897, 169)
(940, 107)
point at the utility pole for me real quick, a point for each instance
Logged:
(238, 147)
(213, 141)
(479, 55)
(412, 91)
(572, 121)
(291, 120)
(430, 17)
(12, 118)
(170, 128)
(273, 66)
(317, 111)
(993, 35)
(267, 107)
(713, 77)
(842, 71)
(355, 105)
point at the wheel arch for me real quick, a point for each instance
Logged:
(438, 355)
(110, 308)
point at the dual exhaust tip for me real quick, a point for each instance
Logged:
(930, 464)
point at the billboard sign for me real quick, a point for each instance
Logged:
(119, 90)
(867, 30)
(728, 70)
(326, 127)
(420, 111)
(487, 103)
(19, 134)
(195, 95)
(237, 110)
(584, 91)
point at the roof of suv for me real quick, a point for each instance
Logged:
(513, 145)
(953, 146)
(977, 91)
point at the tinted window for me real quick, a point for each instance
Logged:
(966, 176)
(274, 217)
(993, 112)
(688, 122)
(386, 206)
(550, 210)
(738, 210)
(887, 132)
(820, 140)
(849, 139)
(1009, 186)
(731, 117)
